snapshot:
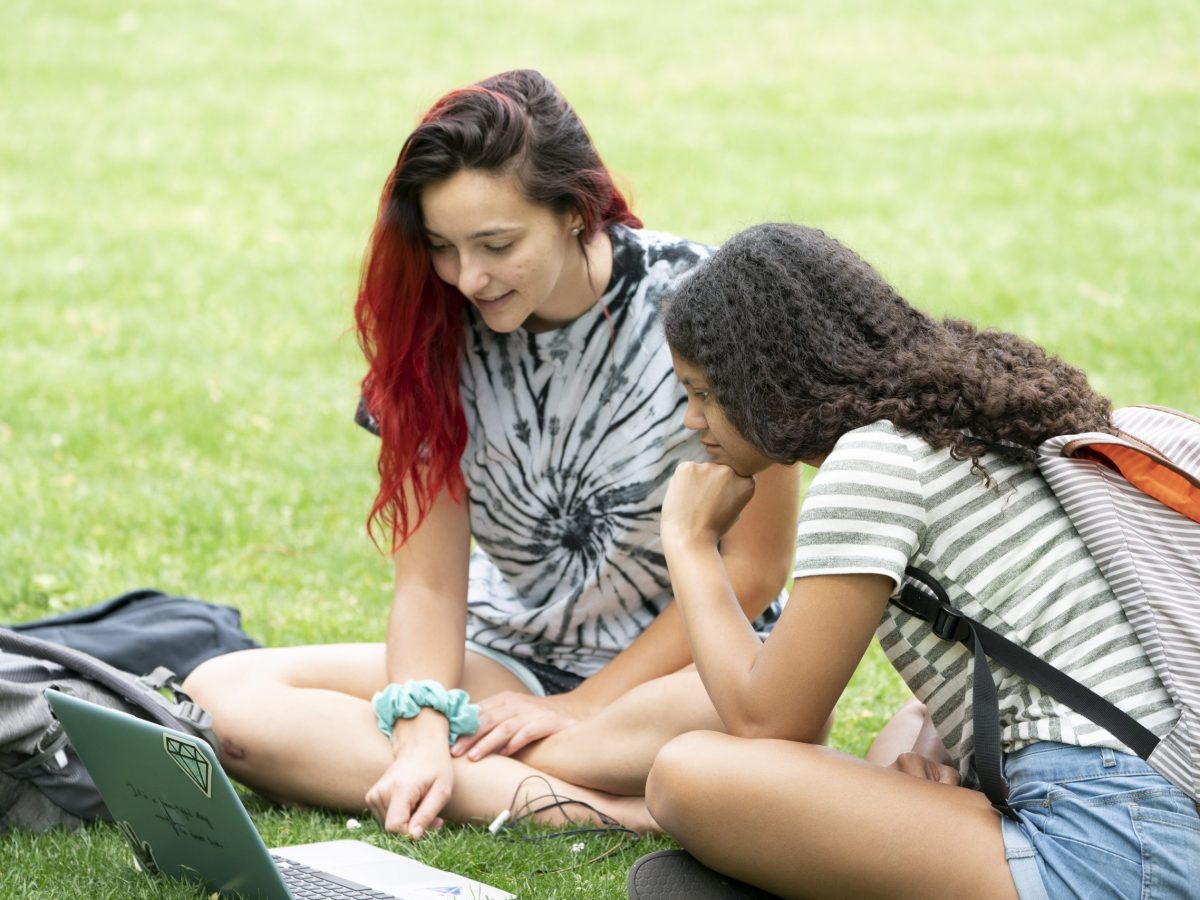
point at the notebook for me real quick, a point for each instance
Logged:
(181, 816)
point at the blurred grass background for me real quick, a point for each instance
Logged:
(186, 190)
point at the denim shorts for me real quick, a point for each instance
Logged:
(1098, 823)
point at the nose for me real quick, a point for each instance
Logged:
(693, 417)
(472, 276)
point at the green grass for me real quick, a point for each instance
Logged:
(91, 863)
(185, 191)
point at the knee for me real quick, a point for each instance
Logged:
(227, 687)
(220, 678)
(682, 774)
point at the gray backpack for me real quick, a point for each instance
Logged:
(42, 782)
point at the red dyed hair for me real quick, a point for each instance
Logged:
(409, 321)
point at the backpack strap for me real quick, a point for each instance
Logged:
(161, 700)
(51, 748)
(163, 682)
(923, 596)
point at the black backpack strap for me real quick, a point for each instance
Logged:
(924, 597)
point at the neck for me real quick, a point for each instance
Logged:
(580, 285)
(599, 255)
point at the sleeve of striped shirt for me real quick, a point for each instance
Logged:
(864, 512)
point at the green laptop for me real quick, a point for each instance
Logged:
(182, 818)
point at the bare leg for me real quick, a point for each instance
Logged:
(794, 818)
(482, 789)
(296, 724)
(614, 750)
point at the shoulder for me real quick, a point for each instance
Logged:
(878, 445)
(873, 464)
(865, 509)
(363, 417)
(659, 246)
(655, 259)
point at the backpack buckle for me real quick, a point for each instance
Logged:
(197, 716)
(949, 624)
(161, 679)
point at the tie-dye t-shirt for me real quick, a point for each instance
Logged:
(572, 437)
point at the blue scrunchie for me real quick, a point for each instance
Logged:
(404, 701)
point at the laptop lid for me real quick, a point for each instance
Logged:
(171, 799)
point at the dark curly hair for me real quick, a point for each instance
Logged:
(802, 341)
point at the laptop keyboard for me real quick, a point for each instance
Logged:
(307, 883)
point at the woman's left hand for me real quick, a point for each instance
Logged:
(703, 501)
(510, 720)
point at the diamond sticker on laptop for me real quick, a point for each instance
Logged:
(192, 761)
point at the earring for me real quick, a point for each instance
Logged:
(577, 230)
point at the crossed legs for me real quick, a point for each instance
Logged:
(801, 820)
(613, 750)
(296, 724)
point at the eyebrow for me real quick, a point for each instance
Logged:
(483, 233)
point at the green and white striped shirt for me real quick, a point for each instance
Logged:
(1007, 555)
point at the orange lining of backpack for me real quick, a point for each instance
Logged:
(1149, 476)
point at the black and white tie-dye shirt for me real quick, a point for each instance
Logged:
(572, 437)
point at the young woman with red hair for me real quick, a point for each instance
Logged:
(523, 393)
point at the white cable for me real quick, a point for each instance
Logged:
(498, 822)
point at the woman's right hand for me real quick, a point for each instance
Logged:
(704, 500)
(925, 768)
(408, 798)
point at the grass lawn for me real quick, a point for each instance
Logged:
(186, 190)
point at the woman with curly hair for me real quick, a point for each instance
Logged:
(523, 393)
(792, 349)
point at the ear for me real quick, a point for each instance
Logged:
(575, 224)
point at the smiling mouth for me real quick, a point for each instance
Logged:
(492, 301)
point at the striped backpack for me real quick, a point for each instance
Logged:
(1134, 498)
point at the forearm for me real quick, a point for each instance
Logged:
(721, 638)
(426, 633)
(787, 686)
(659, 650)
(664, 648)
(757, 551)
